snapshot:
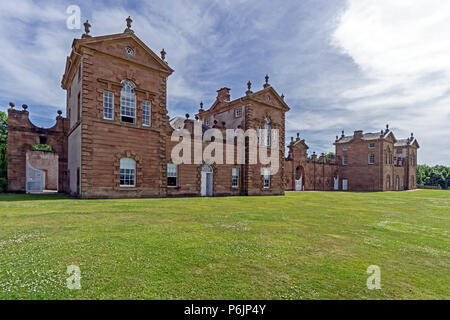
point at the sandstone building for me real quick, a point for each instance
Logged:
(116, 141)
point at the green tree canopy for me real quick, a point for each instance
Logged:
(433, 176)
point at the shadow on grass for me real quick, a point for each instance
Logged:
(29, 197)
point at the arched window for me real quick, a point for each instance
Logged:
(267, 132)
(128, 102)
(388, 182)
(127, 172)
(388, 155)
(413, 185)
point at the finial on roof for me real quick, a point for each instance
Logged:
(266, 85)
(292, 139)
(201, 105)
(337, 138)
(163, 54)
(298, 136)
(343, 133)
(282, 96)
(87, 29)
(187, 115)
(128, 29)
(24, 107)
(12, 105)
(249, 91)
(59, 112)
(412, 135)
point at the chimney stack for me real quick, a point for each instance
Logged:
(358, 134)
(223, 94)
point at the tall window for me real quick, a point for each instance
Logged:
(108, 105)
(128, 102)
(238, 112)
(371, 159)
(127, 172)
(258, 132)
(235, 178)
(172, 175)
(275, 137)
(79, 106)
(146, 113)
(344, 160)
(266, 178)
(388, 182)
(267, 136)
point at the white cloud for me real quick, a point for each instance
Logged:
(402, 50)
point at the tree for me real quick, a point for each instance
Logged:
(3, 128)
(433, 176)
(3, 147)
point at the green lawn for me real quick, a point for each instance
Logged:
(314, 245)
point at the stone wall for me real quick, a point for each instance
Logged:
(22, 135)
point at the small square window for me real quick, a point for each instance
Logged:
(238, 113)
(345, 148)
(372, 146)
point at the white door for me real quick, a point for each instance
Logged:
(336, 183)
(345, 185)
(299, 184)
(35, 179)
(207, 182)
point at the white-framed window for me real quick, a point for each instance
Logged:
(128, 102)
(146, 113)
(371, 159)
(267, 136)
(127, 172)
(238, 112)
(371, 145)
(172, 175)
(344, 148)
(108, 105)
(344, 160)
(266, 178)
(235, 178)
(207, 122)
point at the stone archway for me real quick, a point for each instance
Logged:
(299, 178)
(42, 171)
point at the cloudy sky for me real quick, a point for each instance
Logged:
(342, 64)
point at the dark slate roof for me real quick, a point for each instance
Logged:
(402, 143)
(366, 136)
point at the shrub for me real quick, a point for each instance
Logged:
(41, 147)
(3, 184)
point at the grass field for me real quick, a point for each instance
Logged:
(301, 246)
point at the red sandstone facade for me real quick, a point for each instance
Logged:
(116, 140)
